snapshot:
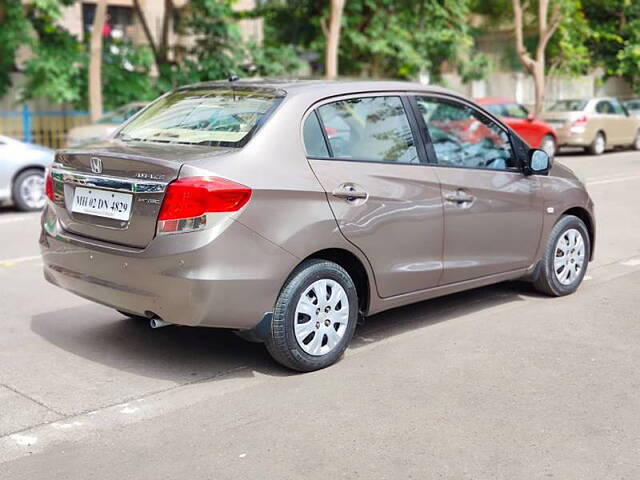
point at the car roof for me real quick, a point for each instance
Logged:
(321, 88)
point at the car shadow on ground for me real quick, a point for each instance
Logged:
(187, 355)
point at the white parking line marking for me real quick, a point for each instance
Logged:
(613, 180)
(9, 262)
(24, 440)
(20, 218)
(634, 262)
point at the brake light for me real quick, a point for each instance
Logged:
(580, 121)
(192, 197)
(48, 183)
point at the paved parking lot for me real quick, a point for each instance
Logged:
(498, 382)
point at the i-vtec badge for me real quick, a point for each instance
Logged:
(152, 201)
(150, 176)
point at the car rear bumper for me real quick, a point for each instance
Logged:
(567, 138)
(227, 276)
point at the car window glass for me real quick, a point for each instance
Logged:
(463, 138)
(513, 110)
(313, 139)
(496, 108)
(618, 109)
(569, 106)
(604, 107)
(370, 129)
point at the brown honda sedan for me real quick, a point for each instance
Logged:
(286, 211)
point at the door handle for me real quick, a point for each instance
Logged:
(349, 192)
(459, 197)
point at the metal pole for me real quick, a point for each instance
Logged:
(26, 123)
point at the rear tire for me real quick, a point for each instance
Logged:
(599, 144)
(314, 317)
(565, 259)
(28, 190)
(636, 142)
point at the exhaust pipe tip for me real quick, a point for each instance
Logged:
(158, 323)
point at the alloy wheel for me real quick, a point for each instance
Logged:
(599, 144)
(569, 256)
(32, 191)
(321, 317)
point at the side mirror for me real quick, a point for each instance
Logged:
(538, 162)
(531, 117)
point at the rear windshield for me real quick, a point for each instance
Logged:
(569, 106)
(219, 117)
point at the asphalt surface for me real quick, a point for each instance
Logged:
(494, 383)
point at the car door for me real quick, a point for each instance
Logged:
(627, 125)
(607, 121)
(492, 211)
(385, 200)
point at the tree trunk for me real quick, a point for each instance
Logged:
(333, 38)
(95, 62)
(545, 31)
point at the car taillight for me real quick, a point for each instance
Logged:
(192, 197)
(580, 121)
(48, 183)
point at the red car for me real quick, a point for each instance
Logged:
(535, 132)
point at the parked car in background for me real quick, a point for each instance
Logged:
(633, 106)
(22, 167)
(104, 127)
(536, 132)
(287, 211)
(595, 124)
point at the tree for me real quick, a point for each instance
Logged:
(615, 37)
(95, 62)
(546, 29)
(332, 35)
(160, 47)
(382, 38)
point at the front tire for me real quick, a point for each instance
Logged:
(566, 256)
(314, 317)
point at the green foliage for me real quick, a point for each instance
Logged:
(13, 33)
(567, 51)
(57, 70)
(383, 38)
(125, 74)
(615, 37)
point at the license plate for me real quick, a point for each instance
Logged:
(102, 203)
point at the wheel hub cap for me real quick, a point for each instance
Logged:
(569, 257)
(321, 317)
(32, 191)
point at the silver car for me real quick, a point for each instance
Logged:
(22, 167)
(288, 211)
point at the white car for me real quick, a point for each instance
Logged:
(104, 127)
(22, 167)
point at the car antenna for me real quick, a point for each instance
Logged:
(232, 79)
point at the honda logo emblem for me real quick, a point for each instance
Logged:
(96, 165)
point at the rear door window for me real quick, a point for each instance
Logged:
(605, 107)
(369, 129)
